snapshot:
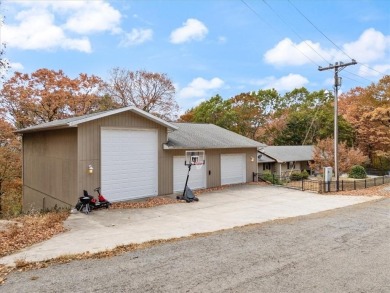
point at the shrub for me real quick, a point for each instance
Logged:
(296, 176)
(305, 174)
(267, 176)
(357, 172)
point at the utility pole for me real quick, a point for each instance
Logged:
(338, 66)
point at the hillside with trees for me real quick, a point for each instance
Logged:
(298, 117)
(301, 117)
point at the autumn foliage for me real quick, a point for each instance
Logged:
(368, 111)
(47, 95)
(323, 156)
(10, 170)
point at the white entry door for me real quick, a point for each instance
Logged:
(233, 168)
(197, 179)
(129, 163)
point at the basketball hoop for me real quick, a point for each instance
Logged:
(196, 158)
(198, 166)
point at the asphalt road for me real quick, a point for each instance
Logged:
(343, 250)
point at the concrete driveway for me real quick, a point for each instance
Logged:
(224, 209)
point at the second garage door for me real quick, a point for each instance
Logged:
(129, 163)
(197, 179)
(233, 168)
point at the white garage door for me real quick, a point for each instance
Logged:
(129, 163)
(196, 180)
(233, 168)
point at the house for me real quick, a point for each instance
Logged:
(130, 154)
(282, 160)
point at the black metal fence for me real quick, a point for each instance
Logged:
(320, 186)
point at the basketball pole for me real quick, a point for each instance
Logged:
(188, 175)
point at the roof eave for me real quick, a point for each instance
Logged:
(166, 147)
(121, 110)
(27, 130)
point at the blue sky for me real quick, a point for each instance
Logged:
(205, 47)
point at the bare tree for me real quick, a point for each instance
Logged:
(151, 92)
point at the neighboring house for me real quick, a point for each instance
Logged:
(282, 160)
(129, 153)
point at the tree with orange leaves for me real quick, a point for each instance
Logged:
(10, 166)
(323, 156)
(46, 95)
(368, 110)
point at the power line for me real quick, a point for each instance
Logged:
(290, 26)
(370, 81)
(365, 65)
(357, 81)
(301, 13)
(259, 16)
(340, 49)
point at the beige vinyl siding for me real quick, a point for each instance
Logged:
(49, 169)
(251, 166)
(89, 150)
(213, 164)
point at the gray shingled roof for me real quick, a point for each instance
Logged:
(261, 158)
(289, 153)
(74, 121)
(206, 136)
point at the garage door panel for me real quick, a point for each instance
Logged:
(129, 163)
(197, 179)
(233, 168)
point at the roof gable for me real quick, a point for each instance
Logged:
(75, 121)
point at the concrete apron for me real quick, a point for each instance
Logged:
(236, 206)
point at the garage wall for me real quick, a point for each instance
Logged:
(89, 149)
(213, 163)
(49, 169)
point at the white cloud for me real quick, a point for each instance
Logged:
(47, 25)
(36, 30)
(285, 83)
(82, 17)
(371, 46)
(192, 29)
(287, 53)
(377, 70)
(16, 66)
(200, 87)
(93, 16)
(136, 37)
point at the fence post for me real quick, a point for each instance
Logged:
(342, 185)
(354, 184)
(302, 185)
(365, 183)
(374, 181)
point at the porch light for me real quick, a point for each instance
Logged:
(90, 169)
(252, 159)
